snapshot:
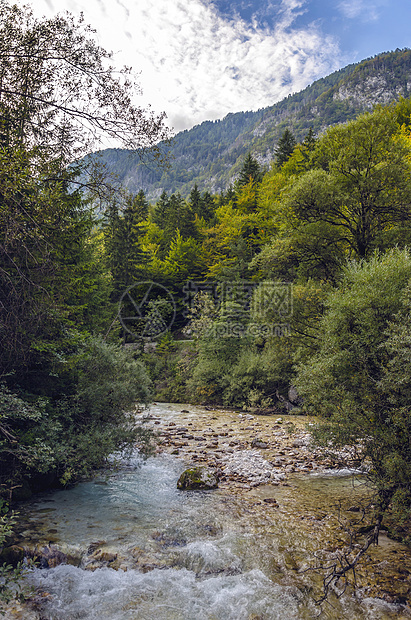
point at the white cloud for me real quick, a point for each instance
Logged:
(365, 9)
(195, 65)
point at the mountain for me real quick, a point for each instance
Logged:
(211, 154)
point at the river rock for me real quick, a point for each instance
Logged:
(259, 443)
(270, 500)
(49, 556)
(250, 466)
(103, 555)
(197, 478)
(293, 396)
(11, 555)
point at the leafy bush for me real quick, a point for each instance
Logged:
(359, 381)
(70, 436)
(10, 583)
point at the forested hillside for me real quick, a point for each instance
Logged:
(210, 155)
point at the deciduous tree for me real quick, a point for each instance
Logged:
(60, 93)
(363, 183)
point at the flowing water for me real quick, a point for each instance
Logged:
(174, 555)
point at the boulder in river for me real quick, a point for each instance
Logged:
(197, 478)
(49, 556)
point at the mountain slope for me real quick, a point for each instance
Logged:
(212, 153)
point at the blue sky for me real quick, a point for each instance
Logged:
(201, 59)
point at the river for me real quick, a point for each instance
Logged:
(140, 549)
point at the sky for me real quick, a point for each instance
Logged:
(199, 60)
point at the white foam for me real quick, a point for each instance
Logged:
(162, 594)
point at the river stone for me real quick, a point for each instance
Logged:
(50, 556)
(11, 555)
(103, 555)
(197, 478)
(258, 443)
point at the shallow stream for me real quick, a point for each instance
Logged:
(174, 555)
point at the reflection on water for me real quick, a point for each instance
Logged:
(186, 556)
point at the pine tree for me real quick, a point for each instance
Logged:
(124, 232)
(250, 172)
(172, 213)
(160, 212)
(195, 201)
(285, 147)
(309, 141)
(201, 205)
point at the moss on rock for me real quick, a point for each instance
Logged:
(197, 478)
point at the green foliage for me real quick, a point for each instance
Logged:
(69, 436)
(123, 232)
(285, 147)
(202, 206)
(314, 250)
(355, 196)
(10, 575)
(366, 187)
(184, 259)
(109, 381)
(166, 344)
(170, 366)
(352, 331)
(219, 345)
(172, 214)
(44, 276)
(358, 379)
(250, 172)
(22, 447)
(201, 315)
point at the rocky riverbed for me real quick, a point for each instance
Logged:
(281, 506)
(264, 460)
(247, 450)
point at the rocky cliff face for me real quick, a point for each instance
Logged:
(377, 89)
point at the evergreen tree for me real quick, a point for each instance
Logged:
(250, 172)
(226, 197)
(201, 205)
(44, 231)
(194, 200)
(124, 233)
(208, 206)
(160, 211)
(172, 213)
(309, 141)
(285, 147)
